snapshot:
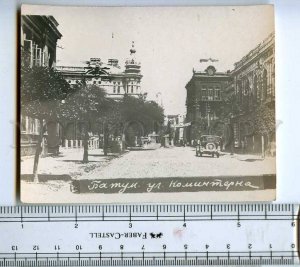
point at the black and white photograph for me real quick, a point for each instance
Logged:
(147, 104)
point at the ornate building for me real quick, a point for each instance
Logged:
(253, 88)
(241, 101)
(39, 35)
(116, 81)
(204, 99)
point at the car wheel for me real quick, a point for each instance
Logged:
(212, 155)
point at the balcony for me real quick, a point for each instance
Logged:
(210, 98)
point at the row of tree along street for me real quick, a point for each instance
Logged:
(48, 97)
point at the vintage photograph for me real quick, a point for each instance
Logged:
(147, 104)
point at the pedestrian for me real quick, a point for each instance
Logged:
(243, 146)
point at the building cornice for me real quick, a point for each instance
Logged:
(254, 54)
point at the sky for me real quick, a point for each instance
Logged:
(169, 41)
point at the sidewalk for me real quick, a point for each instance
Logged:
(69, 161)
(246, 157)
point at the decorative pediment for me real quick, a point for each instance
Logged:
(97, 71)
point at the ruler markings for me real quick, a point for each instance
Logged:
(161, 213)
(291, 216)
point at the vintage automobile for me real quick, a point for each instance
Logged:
(208, 144)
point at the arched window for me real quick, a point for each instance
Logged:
(255, 88)
(240, 92)
(265, 85)
(246, 93)
(273, 80)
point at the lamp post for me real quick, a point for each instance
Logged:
(208, 116)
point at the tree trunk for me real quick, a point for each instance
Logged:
(263, 146)
(105, 140)
(38, 152)
(99, 138)
(86, 146)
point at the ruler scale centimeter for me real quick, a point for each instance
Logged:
(147, 235)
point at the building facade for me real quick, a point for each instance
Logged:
(238, 105)
(204, 100)
(114, 79)
(39, 35)
(253, 87)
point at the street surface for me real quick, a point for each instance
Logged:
(163, 162)
(181, 162)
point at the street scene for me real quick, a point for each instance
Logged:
(107, 117)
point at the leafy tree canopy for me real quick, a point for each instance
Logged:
(86, 104)
(139, 109)
(264, 120)
(42, 89)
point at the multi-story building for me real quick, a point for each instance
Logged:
(204, 99)
(253, 89)
(110, 76)
(114, 79)
(39, 35)
(241, 101)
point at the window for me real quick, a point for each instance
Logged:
(37, 56)
(28, 53)
(114, 89)
(119, 89)
(204, 94)
(94, 82)
(131, 88)
(217, 94)
(23, 123)
(265, 85)
(210, 94)
(99, 82)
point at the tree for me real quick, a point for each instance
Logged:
(86, 106)
(110, 122)
(148, 113)
(42, 90)
(264, 123)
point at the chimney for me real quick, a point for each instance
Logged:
(113, 62)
